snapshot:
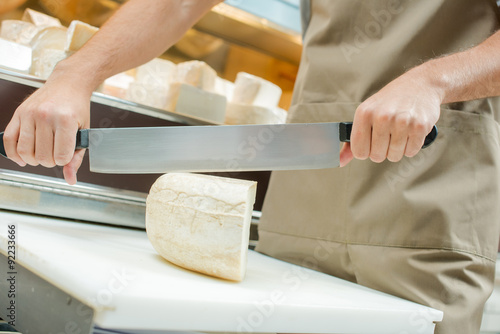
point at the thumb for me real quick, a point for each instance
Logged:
(72, 167)
(345, 154)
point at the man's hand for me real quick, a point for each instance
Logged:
(43, 128)
(395, 121)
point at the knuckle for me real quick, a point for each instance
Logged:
(8, 137)
(382, 117)
(419, 127)
(402, 121)
(364, 111)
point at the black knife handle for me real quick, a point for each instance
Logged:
(82, 141)
(345, 129)
(2, 148)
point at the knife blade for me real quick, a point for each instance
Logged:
(144, 150)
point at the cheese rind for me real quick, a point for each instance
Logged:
(40, 19)
(78, 34)
(201, 222)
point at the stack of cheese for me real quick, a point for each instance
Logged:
(192, 88)
(254, 101)
(38, 42)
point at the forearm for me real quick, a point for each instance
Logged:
(139, 31)
(467, 75)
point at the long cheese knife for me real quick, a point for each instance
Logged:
(225, 148)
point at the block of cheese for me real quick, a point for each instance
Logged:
(78, 34)
(196, 73)
(40, 19)
(224, 87)
(156, 73)
(15, 56)
(53, 38)
(149, 96)
(47, 62)
(201, 222)
(199, 103)
(237, 114)
(253, 90)
(117, 85)
(18, 31)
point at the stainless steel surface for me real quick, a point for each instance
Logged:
(53, 197)
(108, 100)
(239, 27)
(40, 307)
(214, 148)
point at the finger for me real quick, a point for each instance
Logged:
(345, 155)
(414, 145)
(397, 144)
(361, 135)
(416, 138)
(26, 142)
(380, 142)
(44, 146)
(64, 145)
(70, 170)
(10, 139)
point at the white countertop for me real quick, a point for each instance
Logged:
(118, 273)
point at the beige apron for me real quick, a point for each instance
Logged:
(426, 228)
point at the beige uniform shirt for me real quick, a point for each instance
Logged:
(445, 199)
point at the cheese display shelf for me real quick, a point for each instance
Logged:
(108, 100)
(91, 278)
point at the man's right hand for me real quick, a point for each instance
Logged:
(43, 129)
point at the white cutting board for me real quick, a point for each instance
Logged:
(118, 273)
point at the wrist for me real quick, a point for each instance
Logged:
(75, 74)
(429, 76)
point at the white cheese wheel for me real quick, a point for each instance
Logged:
(78, 34)
(237, 114)
(196, 73)
(201, 222)
(40, 19)
(47, 62)
(18, 31)
(15, 56)
(252, 90)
